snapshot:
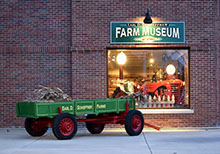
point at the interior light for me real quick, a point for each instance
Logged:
(151, 60)
(121, 58)
(170, 69)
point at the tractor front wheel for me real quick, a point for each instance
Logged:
(134, 122)
(33, 127)
(64, 126)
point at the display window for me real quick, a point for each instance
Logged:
(157, 78)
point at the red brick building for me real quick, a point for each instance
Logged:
(66, 44)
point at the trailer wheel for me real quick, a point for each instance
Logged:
(64, 126)
(134, 122)
(94, 128)
(33, 128)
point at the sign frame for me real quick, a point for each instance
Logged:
(162, 22)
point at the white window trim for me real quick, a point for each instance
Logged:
(166, 111)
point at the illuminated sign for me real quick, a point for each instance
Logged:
(138, 32)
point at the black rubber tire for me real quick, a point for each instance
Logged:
(129, 127)
(29, 124)
(94, 128)
(56, 126)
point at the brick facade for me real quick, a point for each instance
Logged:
(89, 74)
(64, 43)
(21, 72)
(35, 41)
(35, 23)
(218, 59)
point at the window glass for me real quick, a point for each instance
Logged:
(156, 78)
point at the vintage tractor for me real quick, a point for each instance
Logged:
(169, 87)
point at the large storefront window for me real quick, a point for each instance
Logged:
(158, 78)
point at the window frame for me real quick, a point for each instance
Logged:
(164, 110)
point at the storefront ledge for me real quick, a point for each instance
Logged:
(166, 111)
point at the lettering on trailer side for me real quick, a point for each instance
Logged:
(84, 107)
(67, 108)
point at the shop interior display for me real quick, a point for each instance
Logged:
(158, 79)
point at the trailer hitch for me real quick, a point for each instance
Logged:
(152, 126)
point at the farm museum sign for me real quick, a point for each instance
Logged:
(138, 32)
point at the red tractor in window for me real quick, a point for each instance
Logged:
(169, 87)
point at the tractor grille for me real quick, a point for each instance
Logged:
(176, 91)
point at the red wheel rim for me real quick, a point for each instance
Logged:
(97, 127)
(66, 126)
(35, 127)
(136, 123)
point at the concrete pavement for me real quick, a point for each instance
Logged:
(167, 141)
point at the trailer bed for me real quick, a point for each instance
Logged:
(76, 107)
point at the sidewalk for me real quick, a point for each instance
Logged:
(167, 141)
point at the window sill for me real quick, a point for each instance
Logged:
(166, 111)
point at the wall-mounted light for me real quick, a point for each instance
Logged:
(148, 19)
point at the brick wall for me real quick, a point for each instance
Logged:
(35, 23)
(89, 74)
(217, 23)
(22, 72)
(95, 17)
(36, 36)
(35, 40)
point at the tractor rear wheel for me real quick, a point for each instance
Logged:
(94, 128)
(33, 127)
(64, 126)
(134, 122)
